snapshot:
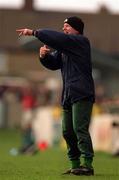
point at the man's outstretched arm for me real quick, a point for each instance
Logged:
(66, 43)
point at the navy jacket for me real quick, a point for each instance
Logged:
(73, 58)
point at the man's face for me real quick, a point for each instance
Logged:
(69, 30)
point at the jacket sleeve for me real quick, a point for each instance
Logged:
(66, 43)
(52, 61)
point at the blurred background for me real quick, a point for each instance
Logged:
(26, 86)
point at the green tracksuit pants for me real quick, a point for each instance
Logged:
(75, 126)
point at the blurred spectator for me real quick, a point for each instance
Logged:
(3, 107)
(115, 138)
(29, 103)
(100, 93)
(57, 124)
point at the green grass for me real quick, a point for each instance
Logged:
(47, 165)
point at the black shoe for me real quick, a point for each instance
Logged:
(83, 171)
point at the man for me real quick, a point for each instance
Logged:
(73, 57)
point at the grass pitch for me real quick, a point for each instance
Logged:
(47, 165)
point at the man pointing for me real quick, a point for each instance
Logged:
(72, 56)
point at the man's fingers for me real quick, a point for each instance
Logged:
(45, 46)
(19, 30)
(48, 50)
(25, 32)
(20, 34)
(22, 31)
(44, 50)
